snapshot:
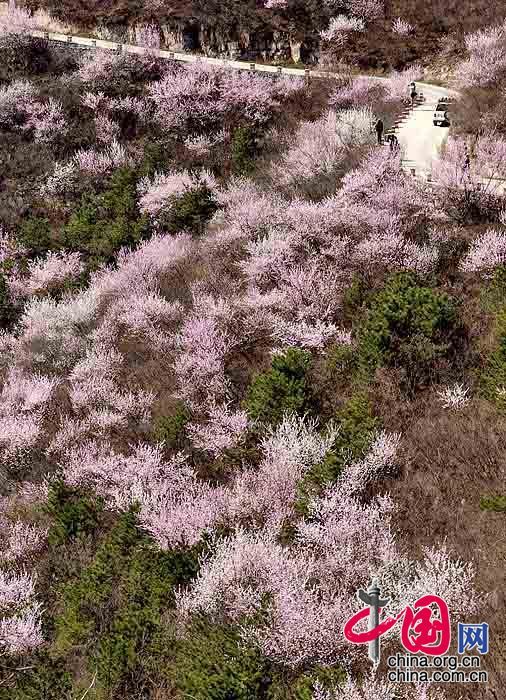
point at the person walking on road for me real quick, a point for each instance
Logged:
(413, 94)
(394, 144)
(379, 130)
(467, 161)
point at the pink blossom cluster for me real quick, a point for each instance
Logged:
(20, 109)
(16, 100)
(24, 401)
(340, 26)
(62, 180)
(46, 120)
(199, 145)
(96, 162)
(106, 129)
(321, 147)
(223, 429)
(374, 688)
(309, 585)
(404, 580)
(276, 4)
(359, 92)
(486, 65)
(454, 397)
(304, 622)
(200, 364)
(486, 253)
(268, 493)
(397, 83)
(16, 20)
(65, 176)
(368, 10)
(22, 632)
(401, 27)
(201, 96)
(10, 249)
(46, 274)
(468, 185)
(101, 65)
(147, 35)
(20, 627)
(102, 105)
(159, 193)
(20, 541)
(375, 465)
(293, 295)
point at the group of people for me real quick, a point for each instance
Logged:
(391, 139)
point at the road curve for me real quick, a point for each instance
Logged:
(420, 140)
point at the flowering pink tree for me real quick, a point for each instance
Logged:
(16, 21)
(401, 27)
(486, 65)
(374, 688)
(222, 430)
(20, 541)
(46, 120)
(321, 149)
(147, 35)
(161, 192)
(487, 252)
(358, 92)
(20, 627)
(24, 401)
(200, 364)
(438, 573)
(468, 188)
(201, 96)
(44, 275)
(16, 101)
(268, 493)
(339, 27)
(106, 130)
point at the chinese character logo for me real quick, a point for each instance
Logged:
(425, 626)
(473, 637)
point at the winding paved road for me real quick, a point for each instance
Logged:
(419, 139)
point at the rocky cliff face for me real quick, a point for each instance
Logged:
(185, 35)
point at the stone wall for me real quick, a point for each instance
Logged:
(273, 46)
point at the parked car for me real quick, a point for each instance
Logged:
(441, 117)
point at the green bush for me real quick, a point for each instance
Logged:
(496, 504)
(105, 223)
(145, 591)
(407, 325)
(190, 211)
(22, 55)
(170, 429)
(35, 235)
(328, 677)
(85, 601)
(45, 679)
(113, 609)
(281, 389)
(212, 663)
(74, 514)
(494, 293)
(357, 425)
(156, 159)
(243, 150)
(7, 311)
(493, 375)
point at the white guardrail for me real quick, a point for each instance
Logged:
(185, 57)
